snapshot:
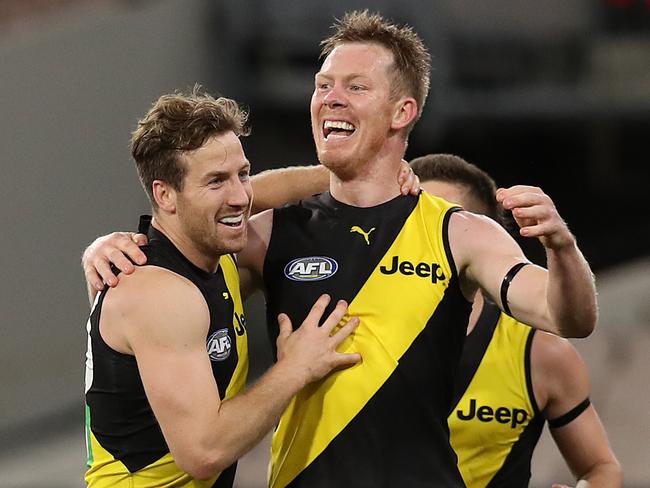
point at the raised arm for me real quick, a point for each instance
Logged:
(206, 435)
(571, 290)
(561, 299)
(561, 383)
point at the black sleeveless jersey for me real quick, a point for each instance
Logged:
(383, 422)
(125, 444)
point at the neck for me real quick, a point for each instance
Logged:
(370, 184)
(171, 229)
(477, 307)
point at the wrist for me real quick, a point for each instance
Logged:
(290, 375)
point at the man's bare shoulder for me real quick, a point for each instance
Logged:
(154, 302)
(560, 375)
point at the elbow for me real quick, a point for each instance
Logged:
(580, 327)
(204, 465)
(588, 325)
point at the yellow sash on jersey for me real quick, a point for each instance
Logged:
(393, 309)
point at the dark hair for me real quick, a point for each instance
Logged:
(412, 61)
(454, 169)
(177, 123)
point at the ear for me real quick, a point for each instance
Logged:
(164, 195)
(406, 109)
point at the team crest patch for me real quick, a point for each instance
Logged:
(219, 345)
(312, 268)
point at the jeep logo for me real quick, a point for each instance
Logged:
(503, 415)
(423, 270)
(313, 268)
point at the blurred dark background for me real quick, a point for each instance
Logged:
(554, 94)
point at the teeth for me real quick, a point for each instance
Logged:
(338, 124)
(232, 220)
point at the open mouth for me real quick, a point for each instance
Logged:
(232, 221)
(337, 129)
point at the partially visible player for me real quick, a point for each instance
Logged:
(167, 347)
(512, 378)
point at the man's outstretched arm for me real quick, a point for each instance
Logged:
(271, 189)
(561, 300)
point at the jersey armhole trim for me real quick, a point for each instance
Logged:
(445, 238)
(527, 367)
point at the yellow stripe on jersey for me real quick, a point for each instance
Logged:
(421, 273)
(106, 472)
(239, 376)
(496, 407)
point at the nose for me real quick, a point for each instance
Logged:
(335, 97)
(240, 193)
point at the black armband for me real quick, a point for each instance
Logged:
(570, 416)
(505, 284)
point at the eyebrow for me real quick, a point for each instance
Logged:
(216, 173)
(346, 78)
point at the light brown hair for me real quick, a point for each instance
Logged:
(177, 123)
(412, 61)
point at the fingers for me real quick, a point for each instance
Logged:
(408, 180)
(317, 310)
(130, 248)
(415, 190)
(93, 279)
(120, 249)
(345, 331)
(139, 239)
(335, 317)
(103, 268)
(285, 326)
(522, 196)
(120, 261)
(345, 360)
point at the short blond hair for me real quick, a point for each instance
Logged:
(412, 61)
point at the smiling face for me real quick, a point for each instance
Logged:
(352, 114)
(213, 204)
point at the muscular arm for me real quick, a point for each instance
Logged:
(561, 299)
(276, 187)
(272, 189)
(204, 434)
(561, 382)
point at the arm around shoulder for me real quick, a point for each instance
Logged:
(250, 260)
(276, 187)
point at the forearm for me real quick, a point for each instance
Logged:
(277, 187)
(571, 292)
(603, 475)
(244, 420)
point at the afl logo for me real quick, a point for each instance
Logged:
(219, 345)
(313, 268)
